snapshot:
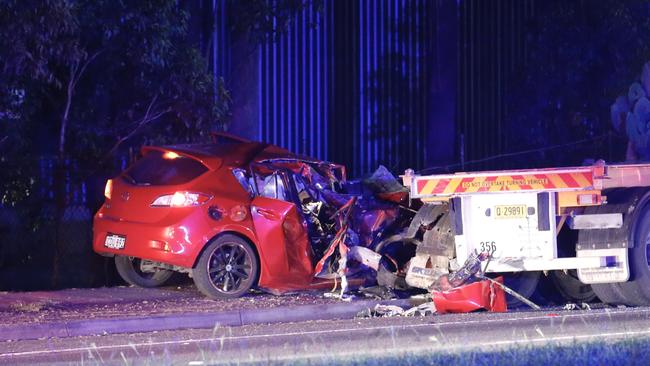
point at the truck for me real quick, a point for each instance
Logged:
(588, 226)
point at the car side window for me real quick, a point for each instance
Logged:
(245, 181)
(273, 187)
(269, 182)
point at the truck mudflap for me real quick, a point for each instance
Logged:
(611, 242)
(616, 270)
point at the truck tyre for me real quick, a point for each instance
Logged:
(608, 293)
(227, 268)
(523, 283)
(637, 290)
(566, 284)
(570, 288)
(129, 270)
(634, 203)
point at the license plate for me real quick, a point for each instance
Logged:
(115, 241)
(510, 211)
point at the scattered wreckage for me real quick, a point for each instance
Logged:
(240, 214)
(365, 231)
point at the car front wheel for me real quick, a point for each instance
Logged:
(130, 270)
(227, 268)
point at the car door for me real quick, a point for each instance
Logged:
(284, 248)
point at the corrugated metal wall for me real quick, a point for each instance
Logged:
(351, 81)
(220, 56)
(295, 74)
(492, 48)
(395, 63)
(348, 83)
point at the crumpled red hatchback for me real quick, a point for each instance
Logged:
(225, 213)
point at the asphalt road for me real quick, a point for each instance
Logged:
(336, 341)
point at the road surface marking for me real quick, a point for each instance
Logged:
(315, 332)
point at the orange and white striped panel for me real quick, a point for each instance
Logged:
(543, 180)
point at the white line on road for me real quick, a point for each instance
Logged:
(315, 332)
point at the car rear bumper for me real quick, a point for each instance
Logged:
(178, 244)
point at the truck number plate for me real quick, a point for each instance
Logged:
(115, 241)
(510, 211)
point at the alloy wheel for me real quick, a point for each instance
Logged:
(229, 268)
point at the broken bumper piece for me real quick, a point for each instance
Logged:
(476, 296)
(481, 295)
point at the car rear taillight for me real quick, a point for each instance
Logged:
(108, 189)
(170, 155)
(181, 199)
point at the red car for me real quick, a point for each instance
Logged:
(232, 215)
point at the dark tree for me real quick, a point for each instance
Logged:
(82, 82)
(582, 55)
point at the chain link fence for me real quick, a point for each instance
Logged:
(46, 240)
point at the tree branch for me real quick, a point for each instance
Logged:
(148, 117)
(66, 111)
(76, 72)
(85, 65)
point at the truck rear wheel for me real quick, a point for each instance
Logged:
(637, 290)
(566, 283)
(523, 283)
(608, 293)
(635, 205)
(570, 287)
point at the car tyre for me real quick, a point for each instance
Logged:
(129, 270)
(227, 268)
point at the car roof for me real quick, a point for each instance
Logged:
(235, 154)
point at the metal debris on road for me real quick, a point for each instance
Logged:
(428, 308)
(574, 306)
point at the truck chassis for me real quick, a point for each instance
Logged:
(518, 216)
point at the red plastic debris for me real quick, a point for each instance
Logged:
(481, 295)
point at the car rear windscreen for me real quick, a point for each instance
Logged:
(157, 168)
